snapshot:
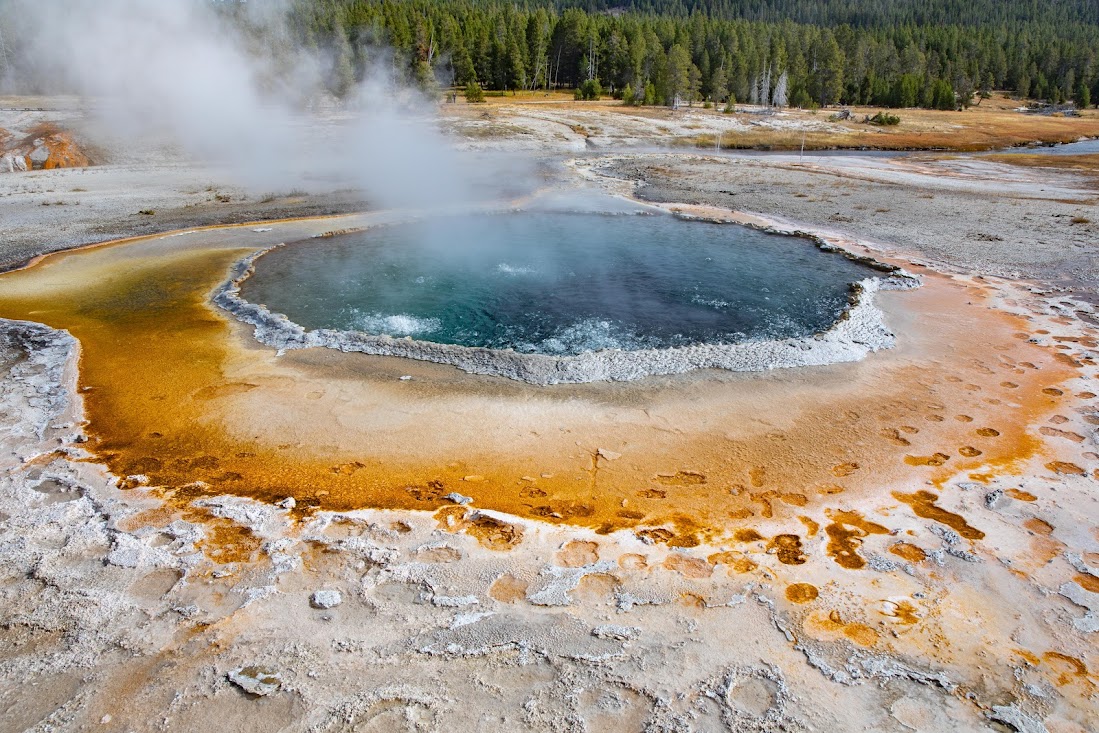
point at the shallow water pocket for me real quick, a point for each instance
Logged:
(559, 284)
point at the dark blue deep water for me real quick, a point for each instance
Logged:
(559, 283)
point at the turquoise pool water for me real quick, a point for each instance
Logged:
(560, 284)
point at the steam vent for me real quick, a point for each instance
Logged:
(426, 367)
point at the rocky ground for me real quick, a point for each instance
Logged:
(916, 601)
(963, 213)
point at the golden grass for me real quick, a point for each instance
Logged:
(971, 130)
(523, 97)
(995, 124)
(1087, 165)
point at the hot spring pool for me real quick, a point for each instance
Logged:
(560, 284)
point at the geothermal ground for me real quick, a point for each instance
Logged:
(200, 530)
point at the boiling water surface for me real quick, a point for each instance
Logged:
(559, 283)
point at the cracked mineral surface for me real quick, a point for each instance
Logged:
(202, 530)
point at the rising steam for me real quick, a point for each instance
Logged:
(237, 94)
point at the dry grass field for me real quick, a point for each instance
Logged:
(996, 123)
(1086, 164)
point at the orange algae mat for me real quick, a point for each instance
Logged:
(178, 396)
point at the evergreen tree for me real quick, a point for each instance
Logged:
(516, 66)
(474, 93)
(826, 72)
(1083, 96)
(719, 85)
(942, 95)
(892, 53)
(682, 77)
(694, 84)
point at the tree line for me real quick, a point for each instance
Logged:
(863, 13)
(893, 54)
(939, 54)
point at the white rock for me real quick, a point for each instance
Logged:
(465, 619)
(128, 557)
(326, 599)
(453, 601)
(40, 154)
(12, 163)
(1088, 623)
(1075, 593)
(618, 633)
(256, 680)
(1017, 719)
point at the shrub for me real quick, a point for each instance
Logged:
(474, 93)
(801, 99)
(884, 119)
(588, 91)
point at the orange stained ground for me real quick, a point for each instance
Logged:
(177, 392)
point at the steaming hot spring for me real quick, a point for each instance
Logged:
(180, 395)
(562, 297)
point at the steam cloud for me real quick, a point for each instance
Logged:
(176, 71)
